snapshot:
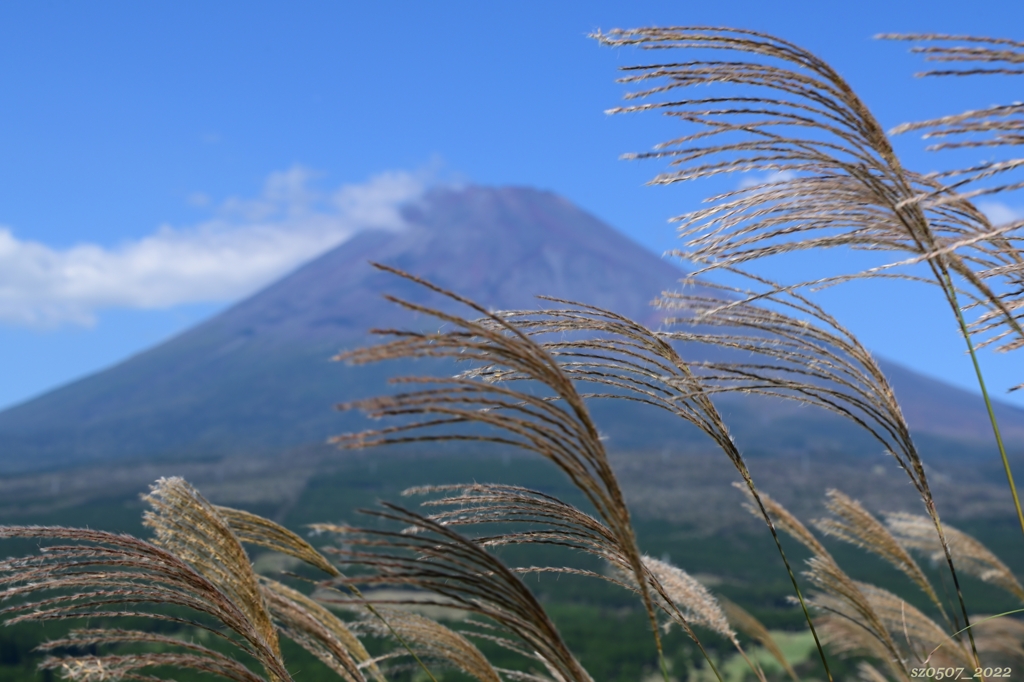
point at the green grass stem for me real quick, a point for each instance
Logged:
(792, 576)
(988, 406)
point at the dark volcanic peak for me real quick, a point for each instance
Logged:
(256, 378)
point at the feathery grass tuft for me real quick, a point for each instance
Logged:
(837, 180)
(696, 602)
(535, 421)
(629, 361)
(187, 525)
(971, 556)
(196, 565)
(856, 525)
(443, 562)
(433, 640)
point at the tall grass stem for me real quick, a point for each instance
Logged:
(988, 405)
(792, 576)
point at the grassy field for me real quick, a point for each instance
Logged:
(603, 624)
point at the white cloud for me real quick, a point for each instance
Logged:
(1000, 213)
(247, 244)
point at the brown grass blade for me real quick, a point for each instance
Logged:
(740, 619)
(262, 532)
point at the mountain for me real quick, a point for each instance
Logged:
(257, 378)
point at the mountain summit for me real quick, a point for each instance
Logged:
(257, 377)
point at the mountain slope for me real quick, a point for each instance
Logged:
(256, 378)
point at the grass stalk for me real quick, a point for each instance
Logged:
(968, 628)
(401, 640)
(988, 401)
(789, 569)
(965, 332)
(370, 607)
(956, 580)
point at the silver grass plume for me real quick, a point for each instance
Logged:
(795, 350)
(787, 522)
(835, 178)
(921, 639)
(846, 637)
(441, 408)
(999, 125)
(327, 630)
(551, 520)
(93, 668)
(840, 595)
(1002, 637)
(971, 556)
(999, 260)
(854, 524)
(98, 574)
(185, 524)
(869, 673)
(433, 640)
(863, 619)
(439, 560)
(256, 530)
(995, 126)
(626, 360)
(554, 522)
(318, 631)
(782, 345)
(197, 562)
(696, 602)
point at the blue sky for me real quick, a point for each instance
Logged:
(161, 160)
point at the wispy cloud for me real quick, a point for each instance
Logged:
(246, 244)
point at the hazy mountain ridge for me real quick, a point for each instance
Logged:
(256, 378)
